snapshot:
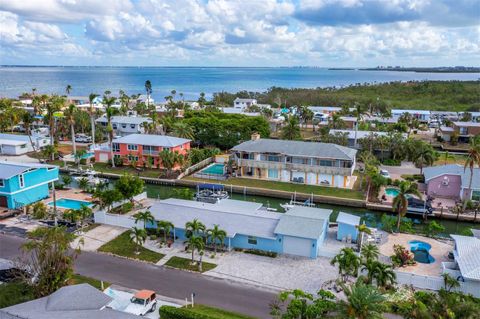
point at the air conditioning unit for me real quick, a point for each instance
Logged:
(445, 181)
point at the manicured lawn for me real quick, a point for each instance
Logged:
(289, 187)
(122, 246)
(106, 168)
(216, 312)
(184, 263)
(453, 159)
(79, 279)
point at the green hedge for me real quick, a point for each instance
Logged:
(169, 312)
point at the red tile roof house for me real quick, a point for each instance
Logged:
(142, 148)
(452, 181)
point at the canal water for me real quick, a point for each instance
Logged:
(371, 218)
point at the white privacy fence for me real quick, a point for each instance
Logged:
(435, 283)
(102, 217)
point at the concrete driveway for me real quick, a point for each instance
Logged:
(95, 238)
(407, 168)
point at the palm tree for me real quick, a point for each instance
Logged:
(54, 105)
(216, 234)
(68, 89)
(49, 151)
(194, 227)
(336, 121)
(146, 217)
(473, 159)
(348, 263)
(84, 212)
(166, 227)
(291, 130)
(400, 202)
(138, 237)
(370, 252)
(110, 112)
(71, 121)
(183, 130)
(195, 243)
(27, 120)
(91, 98)
(359, 112)
(83, 183)
(424, 155)
(148, 89)
(384, 275)
(363, 301)
(168, 159)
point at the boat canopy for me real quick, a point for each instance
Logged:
(214, 187)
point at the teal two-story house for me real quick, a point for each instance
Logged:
(22, 184)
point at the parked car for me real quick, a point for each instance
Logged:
(385, 173)
(19, 128)
(143, 302)
(82, 138)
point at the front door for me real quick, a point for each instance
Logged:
(3, 201)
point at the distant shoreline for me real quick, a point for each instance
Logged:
(428, 70)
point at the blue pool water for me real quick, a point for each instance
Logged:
(215, 169)
(70, 203)
(421, 251)
(391, 192)
(87, 155)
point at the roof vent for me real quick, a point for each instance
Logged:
(255, 136)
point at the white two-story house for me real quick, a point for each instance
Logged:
(125, 125)
(296, 161)
(243, 103)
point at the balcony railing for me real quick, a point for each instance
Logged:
(146, 152)
(300, 167)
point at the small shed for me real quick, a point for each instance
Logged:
(347, 226)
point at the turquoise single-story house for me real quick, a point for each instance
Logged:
(22, 184)
(347, 226)
(301, 231)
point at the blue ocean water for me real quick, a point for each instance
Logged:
(192, 80)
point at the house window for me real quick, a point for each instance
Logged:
(252, 240)
(273, 158)
(23, 146)
(133, 158)
(114, 126)
(124, 125)
(325, 163)
(132, 125)
(132, 147)
(116, 147)
(273, 173)
(2, 183)
(21, 180)
(166, 148)
(476, 195)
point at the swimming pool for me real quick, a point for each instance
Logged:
(391, 192)
(421, 251)
(86, 155)
(215, 169)
(71, 203)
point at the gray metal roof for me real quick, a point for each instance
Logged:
(305, 222)
(15, 137)
(468, 259)
(467, 124)
(125, 119)
(153, 140)
(297, 148)
(348, 219)
(10, 169)
(454, 169)
(360, 134)
(70, 302)
(235, 217)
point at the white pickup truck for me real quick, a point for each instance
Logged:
(143, 302)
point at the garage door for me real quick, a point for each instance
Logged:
(296, 246)
(103, 157)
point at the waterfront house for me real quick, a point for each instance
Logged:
(144, 149)
(233, 110)
(301, 231)
(350, 134)
(328, 110)
(244, 103)
(125, 125)
(72, 302)
(452, 181)
(16, 144)
(295, 161)
(466, 266)
(23, 184)
(464, 130)
(347, 227)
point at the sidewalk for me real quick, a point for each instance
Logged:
(95, 238)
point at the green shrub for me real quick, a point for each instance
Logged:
(388, 222)
(198, 312)
(153, 237)
(14, 293)
(83, 161)
(39, 210)
(169, 312)
(259, 252)
(391, 162)
(432, 229)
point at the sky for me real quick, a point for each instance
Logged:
(323, 33)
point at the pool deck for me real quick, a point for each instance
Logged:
(439, 251)
(69, 193)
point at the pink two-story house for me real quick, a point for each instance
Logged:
(144, 149)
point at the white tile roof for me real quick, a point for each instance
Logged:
(125, 119)
(468, 260)
(153, 140)
(348, 219)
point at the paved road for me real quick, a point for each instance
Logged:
(168, 282)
